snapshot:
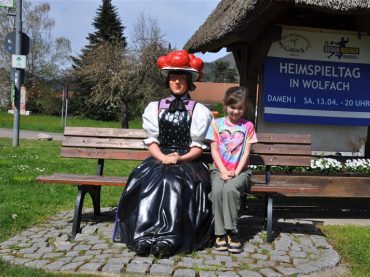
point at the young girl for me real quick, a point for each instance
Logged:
(230, 138)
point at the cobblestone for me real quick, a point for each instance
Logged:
(297, 250)
(161, 270)
(113, 268)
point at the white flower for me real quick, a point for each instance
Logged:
(14, 216)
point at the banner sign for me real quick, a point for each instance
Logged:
(318, 77)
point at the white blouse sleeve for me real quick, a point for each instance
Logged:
(201, 120)
(150, 123)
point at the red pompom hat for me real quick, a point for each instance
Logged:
(181, 60)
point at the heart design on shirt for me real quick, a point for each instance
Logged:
(232, 141)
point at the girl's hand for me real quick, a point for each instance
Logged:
(227, 175)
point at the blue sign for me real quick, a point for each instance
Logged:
(317, 78)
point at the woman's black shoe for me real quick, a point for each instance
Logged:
(162, 249)
(142, 247)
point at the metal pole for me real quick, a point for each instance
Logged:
(61, 122)
(66, 107)
(66, 113)
(18, 73)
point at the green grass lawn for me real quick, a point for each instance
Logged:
(47, 123)
(353, 245)
(23, 202)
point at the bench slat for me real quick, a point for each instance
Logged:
(78, 179)
(113, 154)
(120, 143)
(328, 186)
(94, 180)
(275, 160)
(283, 149)
(139, 155)
(284, 138)
(94, 142)
(140, 133)
(290, 190)
(104, 132)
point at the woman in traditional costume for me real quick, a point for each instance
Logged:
(165, 208)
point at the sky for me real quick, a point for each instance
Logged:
(177, 19)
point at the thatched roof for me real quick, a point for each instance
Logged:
(231, 17)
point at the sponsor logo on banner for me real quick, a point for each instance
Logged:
(339, 50)
(294, 44)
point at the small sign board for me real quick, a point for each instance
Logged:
(19, 61)
(7, 3)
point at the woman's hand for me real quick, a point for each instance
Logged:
(171, 158)
(156, 152)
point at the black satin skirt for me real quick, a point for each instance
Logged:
(166, 202)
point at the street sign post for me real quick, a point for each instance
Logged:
(18, 72)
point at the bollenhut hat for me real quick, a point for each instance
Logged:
(181, 60)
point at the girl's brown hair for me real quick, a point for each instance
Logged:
(236, 95)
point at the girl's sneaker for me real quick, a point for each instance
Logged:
(221, 243)
(234, 246)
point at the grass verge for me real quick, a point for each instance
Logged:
(353, 246)
(45, 123)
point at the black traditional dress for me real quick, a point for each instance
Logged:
(169, 202)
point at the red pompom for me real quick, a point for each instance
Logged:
(197, 64)
(178, 58)
(162, 61)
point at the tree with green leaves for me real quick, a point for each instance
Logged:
(223, 73)
(108, 32)
(123, 81)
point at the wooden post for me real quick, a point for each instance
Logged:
(367, 144)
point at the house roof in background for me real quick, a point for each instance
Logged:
(231, 17)
(209, 92)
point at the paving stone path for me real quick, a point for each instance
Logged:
(298, 249)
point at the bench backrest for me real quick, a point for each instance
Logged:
(127, 144)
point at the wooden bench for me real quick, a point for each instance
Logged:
(126, 144)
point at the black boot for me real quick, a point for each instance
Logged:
(142, 247)
(163, 249)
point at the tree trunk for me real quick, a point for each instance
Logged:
(124, 115)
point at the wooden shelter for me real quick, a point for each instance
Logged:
(247, 28)
(210, 92)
